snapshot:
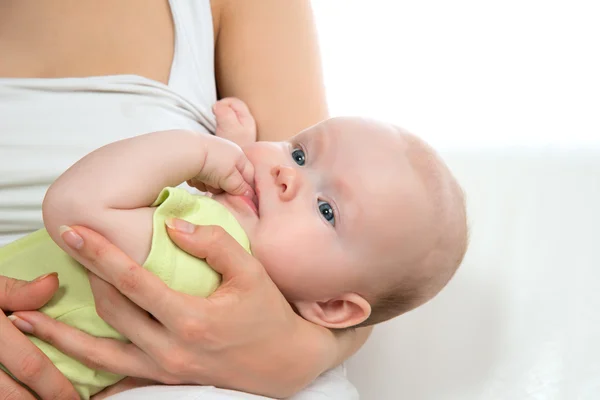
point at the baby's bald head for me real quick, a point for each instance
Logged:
(359, 220)
(435, 248)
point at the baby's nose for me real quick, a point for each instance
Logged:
(286, 178)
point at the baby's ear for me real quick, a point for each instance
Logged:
(344, 311)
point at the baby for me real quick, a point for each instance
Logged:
(356, 221)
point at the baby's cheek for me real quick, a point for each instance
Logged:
(297, 252)
(268, 250)
(285, 263)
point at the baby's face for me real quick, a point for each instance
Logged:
(333, 199)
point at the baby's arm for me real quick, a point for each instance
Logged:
(234, 121)
(110, 189)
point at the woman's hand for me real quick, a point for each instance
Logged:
(245, 336)
(17, 353)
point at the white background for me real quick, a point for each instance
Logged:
(518, 72)
(520, 319)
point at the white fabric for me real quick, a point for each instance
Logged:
(520, 320)
(48, 124)
(332, 385)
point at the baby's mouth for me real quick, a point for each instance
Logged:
(255, 202)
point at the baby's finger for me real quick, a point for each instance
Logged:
(213, 190)
(247, 170)
(234, 183)
(240, 108)
(197, 184)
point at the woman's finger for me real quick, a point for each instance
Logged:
(222, 252)
(96, 353)
(29, 365)
(110, 263)
(127, 318)
(22, 295)
(9, 389)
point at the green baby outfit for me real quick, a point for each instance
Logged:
(73, 304)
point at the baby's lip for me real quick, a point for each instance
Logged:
(255, 200)
(247, 199)
(251, 198)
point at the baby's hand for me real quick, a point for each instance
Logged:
(225, 168)
(234, 121)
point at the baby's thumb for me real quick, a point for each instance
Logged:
(236, 185)
(241, 181)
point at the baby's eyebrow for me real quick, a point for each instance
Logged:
(317, 144)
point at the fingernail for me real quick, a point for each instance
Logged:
(180, 225)
(71, 238)
(41, 278)
(21, 324)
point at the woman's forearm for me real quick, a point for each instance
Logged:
(316, 350)
(267, 55)
(349, 342)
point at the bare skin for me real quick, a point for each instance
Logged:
(254, 59)
(266, 54)
(18, 354)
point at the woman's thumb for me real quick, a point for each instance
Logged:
(18, 295)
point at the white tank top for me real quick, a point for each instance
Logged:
(46, 125)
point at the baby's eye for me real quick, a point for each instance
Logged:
(299, 156)
(326, 211)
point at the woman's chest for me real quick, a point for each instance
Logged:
(71, 38)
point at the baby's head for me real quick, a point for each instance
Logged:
(356, 222)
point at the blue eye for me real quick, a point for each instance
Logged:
(299, 156)
(326, 211)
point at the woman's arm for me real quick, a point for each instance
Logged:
(348, 343)
(110, 189)
(267, 55)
